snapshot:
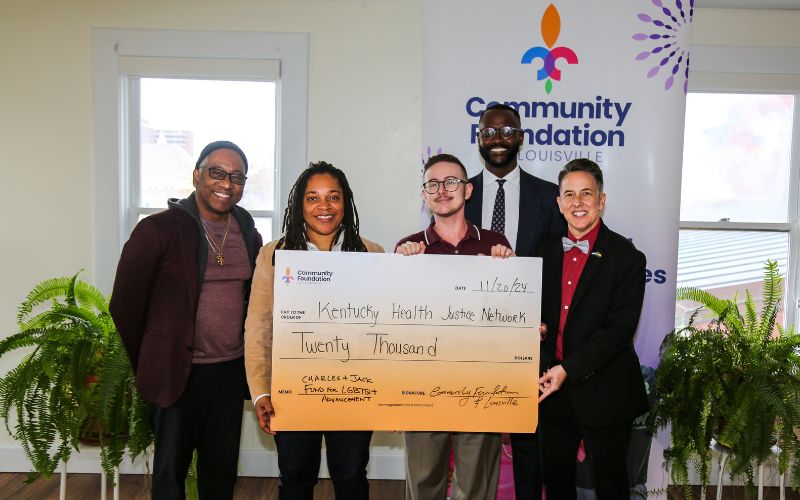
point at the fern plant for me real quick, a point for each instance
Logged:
(76, 377)
(734, 381)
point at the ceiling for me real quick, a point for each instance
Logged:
(749, 4)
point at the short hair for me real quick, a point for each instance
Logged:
(294, 227)
(501, 107)
(444, 158)
(582, 165)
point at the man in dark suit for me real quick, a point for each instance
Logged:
(592, 292)
(179, 300)
(526, 211)
(523, 207)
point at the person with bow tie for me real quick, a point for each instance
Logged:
(592, 293)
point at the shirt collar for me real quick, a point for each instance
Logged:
(512, 178)
(431, 236)
(591, 236)
(337, 245)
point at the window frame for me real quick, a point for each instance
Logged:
(758, 70)
(132, 107)
(111, 98)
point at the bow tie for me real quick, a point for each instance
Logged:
(568, 244)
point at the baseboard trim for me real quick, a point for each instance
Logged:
(385, 462)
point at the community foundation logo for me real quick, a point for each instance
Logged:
(287, 277)
(551, 28)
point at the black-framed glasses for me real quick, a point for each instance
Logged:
(450, 184)
(219, 174)
(491, 132)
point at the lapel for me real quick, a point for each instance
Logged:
(474, 207)
(193, 245)
(188, 234)
(554, 259)
(593, 263)
(528, 221)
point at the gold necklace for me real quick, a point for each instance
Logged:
(217, 248)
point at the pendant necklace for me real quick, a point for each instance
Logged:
(217, 248)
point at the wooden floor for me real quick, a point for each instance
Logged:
(135, 487)
(733, 493)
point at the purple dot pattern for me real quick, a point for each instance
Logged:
(663, 26)
(431, 152)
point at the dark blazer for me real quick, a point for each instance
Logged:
(604, 380)
(156, 291)
(538, 211)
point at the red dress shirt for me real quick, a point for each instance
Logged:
(572, 267)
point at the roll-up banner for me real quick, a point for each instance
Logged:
(600, 80)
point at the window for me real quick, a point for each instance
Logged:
(159, 96)
(738, 195)
(170, 130)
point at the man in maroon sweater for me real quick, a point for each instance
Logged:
(179, 301)
(477, 454)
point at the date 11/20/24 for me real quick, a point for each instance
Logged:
(500, 286)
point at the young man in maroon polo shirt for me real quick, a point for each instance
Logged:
(477, 455)
(592, 292)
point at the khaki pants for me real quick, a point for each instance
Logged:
(477, 465)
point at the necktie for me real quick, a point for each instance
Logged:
(499, 214)
(568, 244)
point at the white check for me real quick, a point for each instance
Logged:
(385, 342)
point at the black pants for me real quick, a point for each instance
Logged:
(560, 434)
(527, 466)
(299, 460)
(207, 417)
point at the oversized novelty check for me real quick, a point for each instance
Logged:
(385, 342)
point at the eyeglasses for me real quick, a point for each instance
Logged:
(219, 174)
(491, 132)
(450, 184)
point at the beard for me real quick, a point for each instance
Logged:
(505, 160)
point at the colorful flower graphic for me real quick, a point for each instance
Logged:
(663, 41)
(551, 27)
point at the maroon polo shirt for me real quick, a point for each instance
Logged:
(572, 267)
(476, 241)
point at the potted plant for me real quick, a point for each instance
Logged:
(77, 379)
(734, 381)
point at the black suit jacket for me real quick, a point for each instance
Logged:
(604, 379)
(538, 211)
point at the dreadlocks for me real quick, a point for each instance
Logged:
(294, 232)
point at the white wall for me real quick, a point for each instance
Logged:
(364, 102)
(760, 28)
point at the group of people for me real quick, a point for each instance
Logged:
(193, 302)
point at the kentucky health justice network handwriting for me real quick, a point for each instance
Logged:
(359, 343)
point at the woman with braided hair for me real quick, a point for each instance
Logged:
(320, 215)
